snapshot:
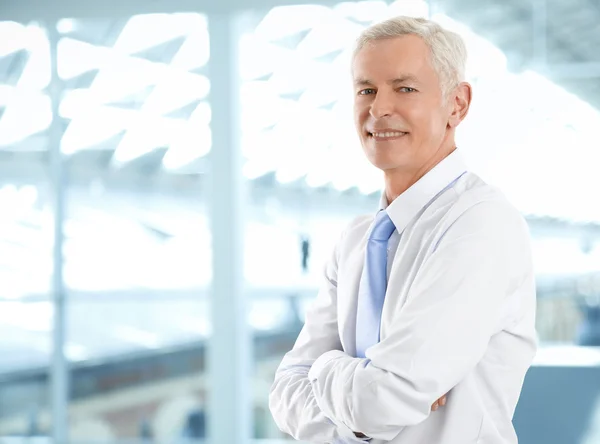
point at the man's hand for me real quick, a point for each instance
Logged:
(437, 404)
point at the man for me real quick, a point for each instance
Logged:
(432, 296)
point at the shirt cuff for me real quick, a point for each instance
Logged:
(351, 440)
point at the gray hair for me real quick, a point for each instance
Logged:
(448, 50)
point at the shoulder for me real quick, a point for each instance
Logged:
(481, 204)
(482, 214)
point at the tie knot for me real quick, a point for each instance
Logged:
(383, 227)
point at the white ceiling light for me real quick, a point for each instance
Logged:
(189, 144)
(122, 76)
(27, 112)
(65, 25)
(12, 37)
(148, 30)
(36, 72)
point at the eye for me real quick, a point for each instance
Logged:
(364, 92)
(406, 89)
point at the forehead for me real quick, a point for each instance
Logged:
(388, 57)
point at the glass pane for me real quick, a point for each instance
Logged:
(26, 230)
(137, 247)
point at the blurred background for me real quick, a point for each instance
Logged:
(174, 173)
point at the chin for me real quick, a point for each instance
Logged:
(387, 160)
(385, 164)
(391, 150)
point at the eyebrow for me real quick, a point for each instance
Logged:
(402, 79)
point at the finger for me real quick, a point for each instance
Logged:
(443, 400)
(434, 407)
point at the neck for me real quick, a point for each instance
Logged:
(399, 180)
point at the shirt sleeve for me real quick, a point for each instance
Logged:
(291, 400)
(452, 310)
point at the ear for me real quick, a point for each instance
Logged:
(460, 101)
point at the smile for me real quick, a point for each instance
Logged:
(387, 135)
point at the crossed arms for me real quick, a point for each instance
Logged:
(321, 394)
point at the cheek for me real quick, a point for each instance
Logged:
(427, 123)
(360, 116)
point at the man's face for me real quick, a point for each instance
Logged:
(399, 111)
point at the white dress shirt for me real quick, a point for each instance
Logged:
(458, 318)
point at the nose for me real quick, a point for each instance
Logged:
(382, 105)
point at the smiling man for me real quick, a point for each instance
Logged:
(434, 294)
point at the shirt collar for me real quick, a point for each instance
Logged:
(408, 204)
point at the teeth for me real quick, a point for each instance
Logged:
(388, 134)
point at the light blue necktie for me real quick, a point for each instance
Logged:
(373, 284)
